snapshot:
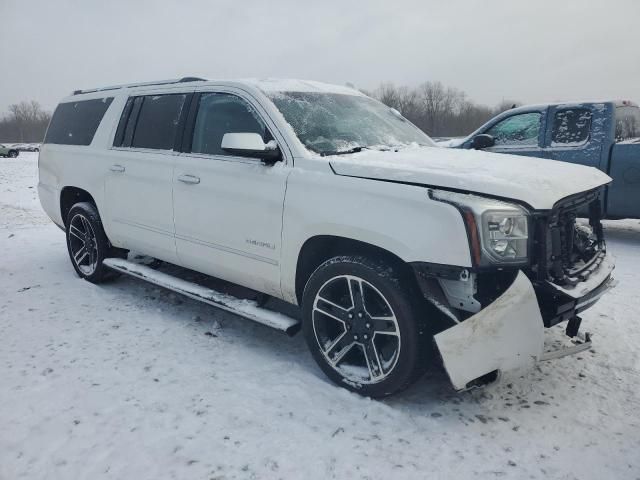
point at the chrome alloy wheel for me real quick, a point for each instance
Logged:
(356, 329)
(83, 244)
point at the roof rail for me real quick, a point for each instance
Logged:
(143, 84)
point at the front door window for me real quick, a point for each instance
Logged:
(517, 131)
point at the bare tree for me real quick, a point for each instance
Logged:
(437, 109)
(26, 122)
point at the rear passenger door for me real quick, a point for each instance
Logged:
(138, 186)
(228, 209)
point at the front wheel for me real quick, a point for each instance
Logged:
(87, 243)
(362, 324)
(13, 154)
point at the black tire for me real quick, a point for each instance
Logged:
(384, 288)
(92, 238)
(12, 154)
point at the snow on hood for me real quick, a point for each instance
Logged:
(538, 182)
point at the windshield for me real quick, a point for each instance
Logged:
(332, 123)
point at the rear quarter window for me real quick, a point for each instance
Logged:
(627, 123)
(571, 127)
(75, 123)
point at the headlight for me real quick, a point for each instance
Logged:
(498, 231)
(505, 235)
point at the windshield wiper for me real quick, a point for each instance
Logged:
(344, 152)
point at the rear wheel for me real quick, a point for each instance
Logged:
(87, 243)
(12, 154)
(363, 327)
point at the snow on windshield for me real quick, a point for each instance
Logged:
(331, 123)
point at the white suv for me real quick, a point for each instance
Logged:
(398, 253)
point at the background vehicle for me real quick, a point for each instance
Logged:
(27, 147)
(325, 198)
(8, 151)
(604, 135)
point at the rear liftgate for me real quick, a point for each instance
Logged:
(244, 308)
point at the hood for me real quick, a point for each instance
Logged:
(537, 182)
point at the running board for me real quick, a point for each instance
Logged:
(244, 308)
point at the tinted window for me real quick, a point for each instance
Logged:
(158, 121)
(517, 130)
(571, 127)
(75, 123)
(221, 113)
(627, 123)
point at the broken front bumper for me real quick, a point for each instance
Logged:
(508, 334)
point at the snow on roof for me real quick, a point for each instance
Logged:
(572, 103)
(270, 85)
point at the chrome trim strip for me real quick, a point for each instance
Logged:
(228, 249)
(144, 227)
(204, 243)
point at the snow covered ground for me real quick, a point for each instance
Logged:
(127, 381)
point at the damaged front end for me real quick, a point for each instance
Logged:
(506, 335)
(495, 312)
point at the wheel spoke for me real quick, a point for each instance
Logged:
(355, 290)
(80, 255)
(384, 325)
(339, 348)
(92, 255)
(85, 224)
(330, 309)
(373, 360)
(75, 231)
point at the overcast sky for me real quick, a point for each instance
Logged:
(533, 51)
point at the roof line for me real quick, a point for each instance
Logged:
(143, 84)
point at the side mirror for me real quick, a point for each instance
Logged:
(251, 145)
(482, 141)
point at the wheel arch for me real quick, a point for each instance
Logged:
(320, 248)
(69, 196)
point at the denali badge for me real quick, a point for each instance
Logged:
(258, 243)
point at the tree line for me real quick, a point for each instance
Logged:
(439, 110)
(26, 122)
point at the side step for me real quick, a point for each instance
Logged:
(244, 308)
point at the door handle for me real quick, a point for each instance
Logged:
(117, 168)
(190, 179)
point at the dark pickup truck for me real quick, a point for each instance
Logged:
(604, 135)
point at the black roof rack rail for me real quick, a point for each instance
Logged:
(143, 84)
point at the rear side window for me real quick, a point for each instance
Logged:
(571, 127)
(158, 121)
(75, 123)
(627, 123)
(220, 113)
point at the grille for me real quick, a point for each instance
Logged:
(573, 248)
